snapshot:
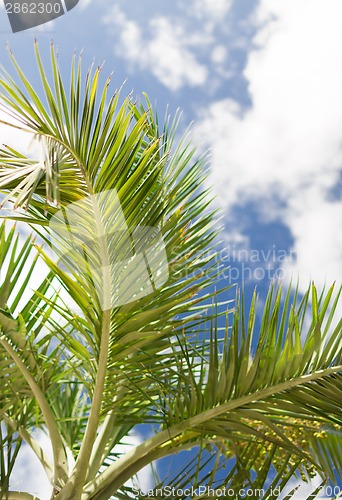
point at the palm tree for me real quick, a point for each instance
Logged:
(259, 406)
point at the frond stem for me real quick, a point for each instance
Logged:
(59, 455)
(34, 445)
(74, 486)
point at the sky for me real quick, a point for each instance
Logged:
(260, 81)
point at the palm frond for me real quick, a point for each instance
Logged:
(214, 391)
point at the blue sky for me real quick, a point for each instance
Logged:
(261, 80)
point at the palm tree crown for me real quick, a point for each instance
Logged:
(88, 357)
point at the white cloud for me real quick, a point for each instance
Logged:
(167, 53)
(214, 10)
(219, 54)
(287, 147)
(184, 48)
(175, 63)
(28, 474)
(318, 238)
(144, 476)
